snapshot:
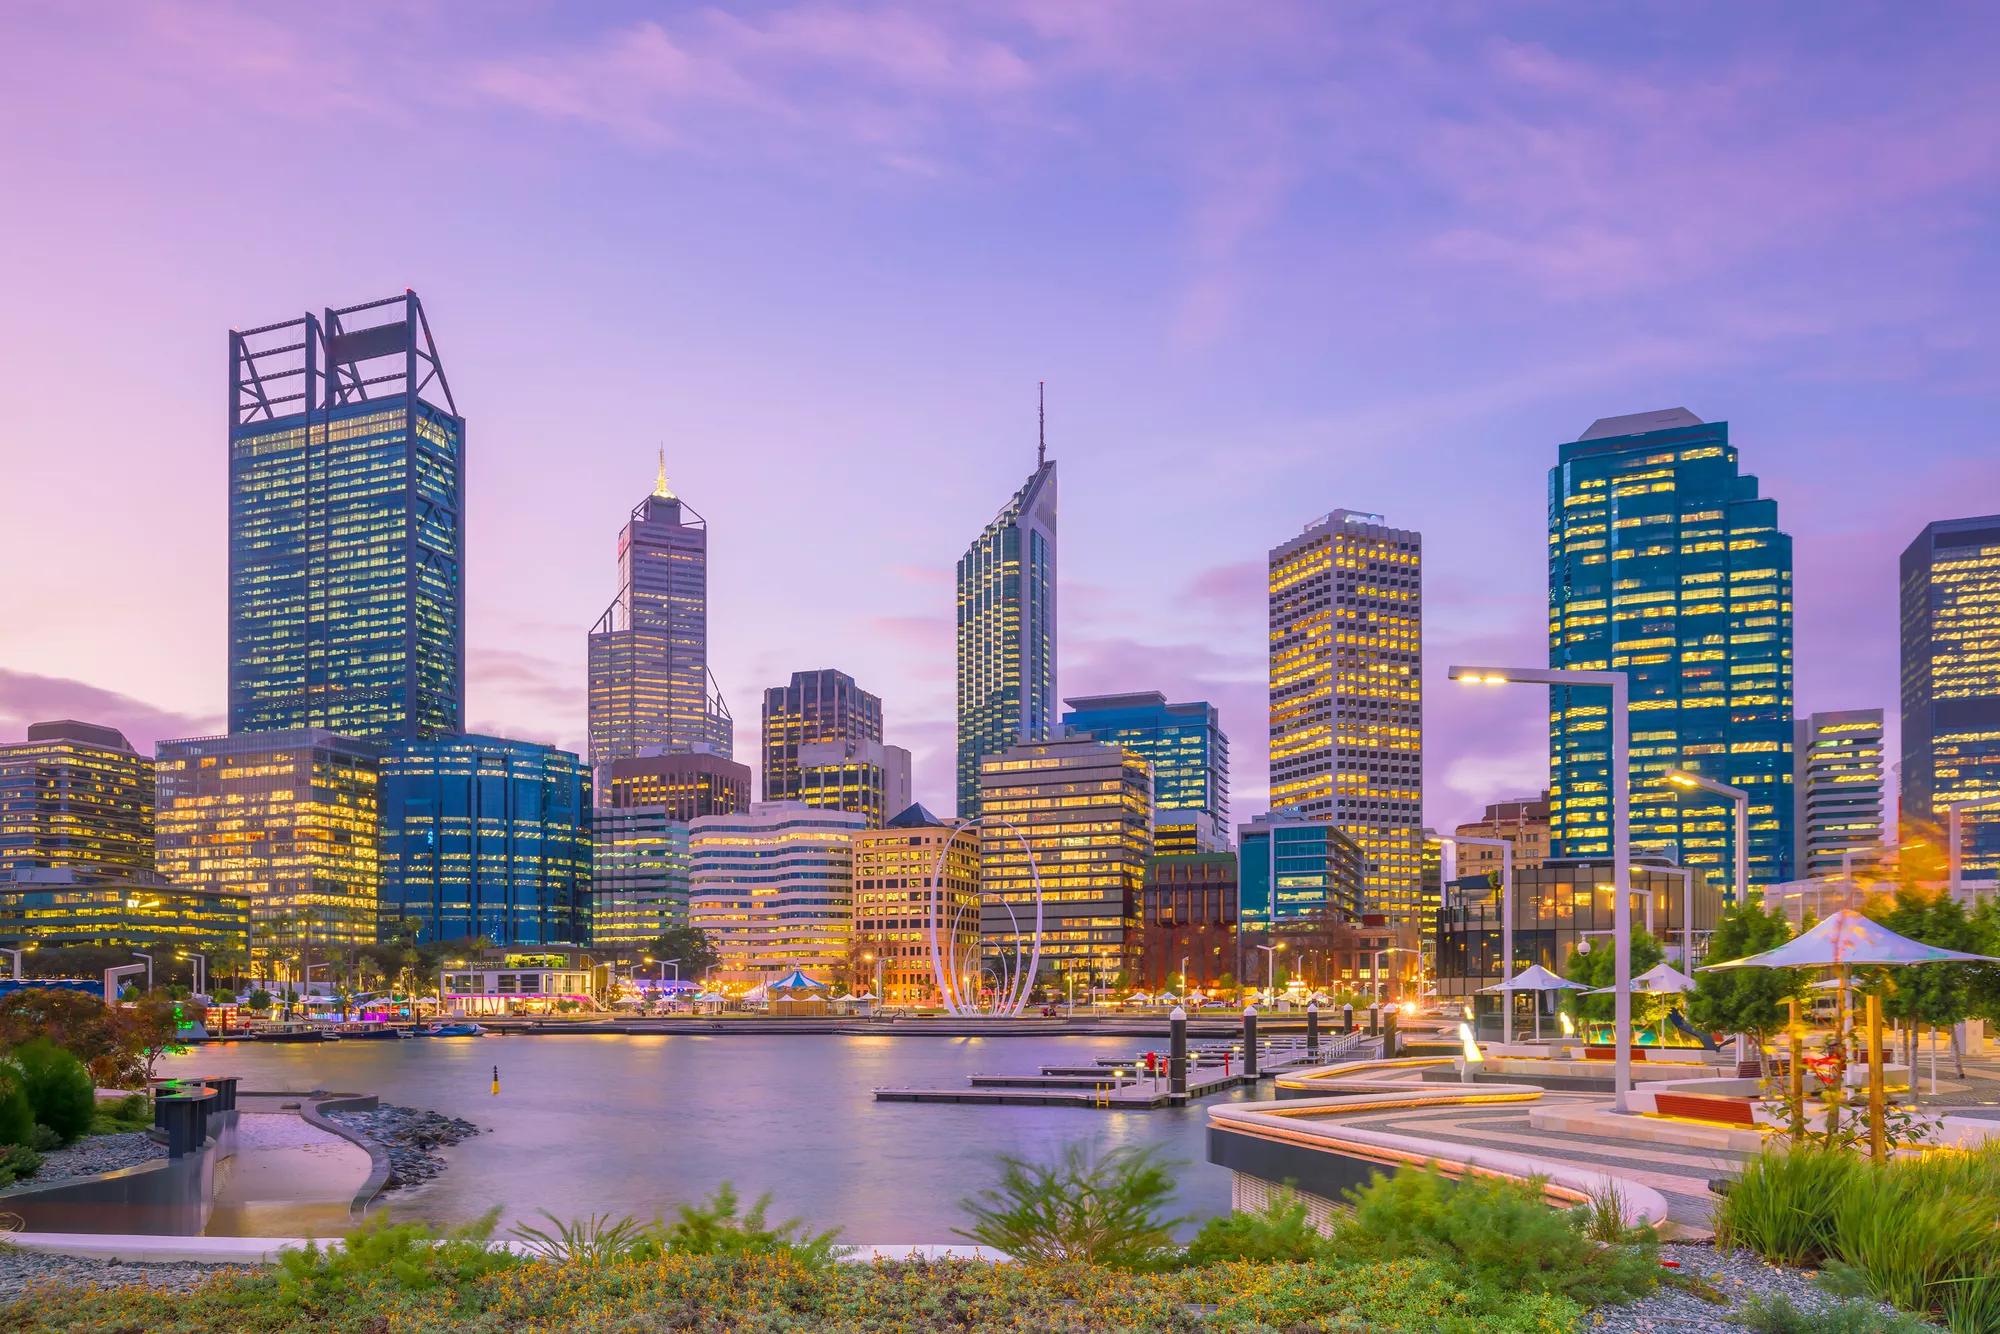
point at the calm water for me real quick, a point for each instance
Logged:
(632, 1125)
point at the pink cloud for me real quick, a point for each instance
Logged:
(28, 698)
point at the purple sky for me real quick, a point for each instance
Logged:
(1271, 259)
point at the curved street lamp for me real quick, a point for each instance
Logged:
(1689, 781)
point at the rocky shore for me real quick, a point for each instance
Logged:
(21, 1268)
(411, 1136)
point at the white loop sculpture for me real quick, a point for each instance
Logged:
(1011, 983)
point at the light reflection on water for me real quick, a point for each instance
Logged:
(633, 1125)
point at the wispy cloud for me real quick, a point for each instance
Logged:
(28, 698)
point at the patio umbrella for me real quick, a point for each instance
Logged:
(1662, 979)
(1538, 979)
(1845, 939)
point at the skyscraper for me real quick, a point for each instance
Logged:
(641, 863)
(346, 535)
(1347, 698)
(1837, 791)
(1190, 757)
(686, 787)
(1951, 681)
(75, 795)
(823, 746)
(1665, 563)
(773, 887)
(1007, 630)
(651, 690)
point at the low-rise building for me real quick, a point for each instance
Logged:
(1188, 939)
(56, 906)
(896, 915)
(503, 982)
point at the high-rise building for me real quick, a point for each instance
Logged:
(1083, 809)
(773, 886)
(1837, 791)
(1522, 821)
(1188, 940)
(290, 819)
(1295, 867)
(685, 787)
(1665, 563)
(487, 837)
(1951, 682)
(346, 532)
(75, 795)
(640, 867)
(895, 914)
(1190, 757)
(1347, 701)
(68, 905)
(651, 688)
(823, 746)
(1007, 630)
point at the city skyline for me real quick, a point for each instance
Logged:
(1863, 434)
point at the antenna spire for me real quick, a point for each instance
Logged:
(660, 487)
(1041, 422)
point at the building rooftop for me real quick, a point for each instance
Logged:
(1638, 423)
(69, 729)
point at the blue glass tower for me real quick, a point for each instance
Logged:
(487, 837)
(1190, 757)
(1295, 868)
(346, 536)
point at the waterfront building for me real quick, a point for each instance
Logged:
(1346, 689)
(651, 688)
(1522, 821)
(639, 877)
(1837, 791)
(1007, 630)
(684, 786)
(1296, 867)
(1082, 809)
(292, 821)
(71, 905)
(346, 527)
(1951, 682)
(1190, 757)
(503, 981)
(1188, 912)
(823, 746)
(75, 795)
(1665, 563)
(773, 886)
(486, 837)
(895, 913)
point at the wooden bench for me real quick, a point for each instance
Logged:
(1706, 1107)
(1611, 1053)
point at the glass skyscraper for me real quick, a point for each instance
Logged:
(1296, 868)
(1951, 681)
(1666, 563)
(823, 746)
(1190, 757)
(346, 533)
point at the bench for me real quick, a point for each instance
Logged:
(1611, 1053)
(1706, 1107)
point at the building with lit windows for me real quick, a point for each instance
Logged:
(823, 746)
(1347, 706)
(651, 689)
(1083, 810)
(639, 876)
(68, 905)
(346, 532)
(773, 886)
(1188, 934)
(487, 837)
(685, 786)
(1665, 563)
(292, 821)
(1951, 683)
(1522, 821)
(1837, 791)
(75, 795)
(1293, 867)
(895, 912)
(1007, 631)
(1190, 757)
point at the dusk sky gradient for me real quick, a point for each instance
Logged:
(1271, 259)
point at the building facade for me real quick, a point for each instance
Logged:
(1346, 689)
(1522, 821)
(1187, 938)
(773, 886)
(68, 905)
(651, 688)
(1837, 791)
(1007, 631)
(1951, 682)
(896, 914)
(1295, 870)
(1665, 563)
(486, 837)
(1079, 812)
(639, 876)
(823, 746)
(1190, 757)
(75, 795)
(292, 821)
(346, 530)
(684, 786)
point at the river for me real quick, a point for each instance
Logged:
(635, 1124)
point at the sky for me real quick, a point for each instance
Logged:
(1272, 260)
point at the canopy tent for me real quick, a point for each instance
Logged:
(1662, 979)
(1535, 978)
(1197, 997)
(758, 994)
(1165, 998)
(845, 998)
(867, 996)
(1848, 939)
(796, 980)
(1137, 998)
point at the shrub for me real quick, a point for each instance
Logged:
(134, 1111)
(1279, 1231)
(1107, 1210)
(391, 1257)
(17, 1161)
(1782, 1205)
(1776, 1314)
(713, 1228)
(598, 1239)
(58, 1087)
(17, 1114)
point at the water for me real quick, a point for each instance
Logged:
(634, 1125)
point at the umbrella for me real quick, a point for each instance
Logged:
(1139, 997)
(1536, 978)
(1662, 979)
(1847, 938)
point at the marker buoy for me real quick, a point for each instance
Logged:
(496, 1081)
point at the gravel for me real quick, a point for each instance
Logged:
(88, 1157)
(19, 1268)
(412, 1137)
(1737, 1274)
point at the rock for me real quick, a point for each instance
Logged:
(411, 1136)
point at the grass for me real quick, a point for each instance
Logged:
(122, 1116)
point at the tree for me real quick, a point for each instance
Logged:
(1938, 994)
(689, 944)
(1597, 968)
(1745, 1000)
(117, 1044)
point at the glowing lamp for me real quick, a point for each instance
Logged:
(1471, 1047)
(1569, 1026)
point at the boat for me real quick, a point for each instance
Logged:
(293, 1032)
(451, 1031)
(374, 1033)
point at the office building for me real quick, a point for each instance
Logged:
(1837, 791)
(651, 688)
(684, 786)
(486, 837)
(1665, 563)
(1347, 705)
(292, 821)
(1084, 810)
(1296, 868)
(896, 914)
(69, 905)
(1007, 631)
(639, 877)
(75, 795)
(1522, 821)
(1190, 757)
(823, 746)
(1951, 683)
(773, 886)
(1188, 915)
(346, 528)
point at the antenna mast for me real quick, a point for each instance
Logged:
(1041, 422)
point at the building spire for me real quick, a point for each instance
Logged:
(1041, 422)
(660, 487)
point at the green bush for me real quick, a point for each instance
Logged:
(1080, 1209)
(1782, 1205)
(388, 1258)
(17, 1114)
(58, 1087)
(1777, 1314)
(713, 1227)
(17, 1161)
(1279, 1231)
(132, 1112)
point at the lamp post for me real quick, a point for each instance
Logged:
(1954, 837)
(200, 970)
(1271, 967)
(1184, 976)
(1620, 719)
(149, 967)
(1455, 841)
(1689, 781)
(17, 956)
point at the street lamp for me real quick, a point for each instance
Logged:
(17, 956)
(1184, 976)
(1620, 718)
(870, 956)
(1954, 839)
(1456, 841)
(1689, 781)
(200, 970)
(149, 967)
(1271, 967)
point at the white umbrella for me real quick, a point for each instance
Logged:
(1662, 979)
(1845, 939)
(1536, 978)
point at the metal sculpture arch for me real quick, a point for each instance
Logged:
(1011, 983)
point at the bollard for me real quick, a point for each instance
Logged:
(496, 1081)
(1177, 1056)
(1374, 1020)
(1312, 1030)
(1389, 1035)
(1347, 1018)
(1250, 1042)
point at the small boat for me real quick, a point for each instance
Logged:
(451, 1031)
(295, 1032)
(374, 1033)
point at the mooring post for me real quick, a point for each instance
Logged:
(1250, 1042)
(1312, 1030)
(1177, 1060)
